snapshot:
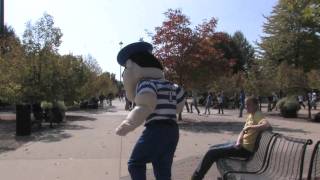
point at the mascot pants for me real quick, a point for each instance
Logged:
(156, 145)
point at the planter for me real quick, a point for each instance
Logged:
(47, 115)
(289, 107)
(317, 117)
(57, 115)
(23, 120)
(37, 112)
(289, 113)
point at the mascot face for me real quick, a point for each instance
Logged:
(133, 73)
(130, 79)
(139, 64)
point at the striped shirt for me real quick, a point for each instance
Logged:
(168, 96)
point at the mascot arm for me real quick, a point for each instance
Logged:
(180, 106)
(145, 105)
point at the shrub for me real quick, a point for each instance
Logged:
(54, 112)
(317, 117)
(289, 107)
(46, 105)
(58, 111)
(60, 105)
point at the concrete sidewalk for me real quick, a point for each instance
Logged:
(85, 147)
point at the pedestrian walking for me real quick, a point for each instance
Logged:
(194, 102)
(220, 103)
(208, 103)
(242, 98)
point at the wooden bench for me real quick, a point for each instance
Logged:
(253, 164)
(284, 160)
(314, 168)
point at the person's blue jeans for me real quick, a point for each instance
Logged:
(157, 145)
(241, 109)
(214, 153)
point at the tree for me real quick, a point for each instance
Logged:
(291, 80)
(42, 35)
(245, 51)
(190, 57)
(260, 79)
(208, 60)
(173, 41)
(314, 79)
(92, 64)
(34, 71)
(292, 34)
(70, 76)
(12, 66)
(41, 41)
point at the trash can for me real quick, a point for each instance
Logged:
(23, 120)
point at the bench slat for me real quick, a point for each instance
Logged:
(314, 167)
(254, 164)
(285, 160)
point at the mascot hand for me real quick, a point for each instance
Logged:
(121, 130)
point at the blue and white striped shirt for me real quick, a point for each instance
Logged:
(168, 96)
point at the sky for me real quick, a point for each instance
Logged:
(97, 26)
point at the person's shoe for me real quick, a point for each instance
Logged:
(194, 177)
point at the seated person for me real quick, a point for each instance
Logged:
(244, 145)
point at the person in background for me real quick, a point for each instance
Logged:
(274, 101)
(314, 100)
(220, 102)
(242, 98)
(300, 100)
(194, 102)
(208, 103)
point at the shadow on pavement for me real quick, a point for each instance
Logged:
(10, 142)
(220, 127)
(79, 118)
(300, 118)
(282, 129)
(210, 126)
(182, 169)
(100, 110)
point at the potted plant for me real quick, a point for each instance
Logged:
(289, 107)
(317, 117)
(58, 111)
(46, 106)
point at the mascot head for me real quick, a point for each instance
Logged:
(139, 63)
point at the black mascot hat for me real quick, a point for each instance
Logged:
(140, 53)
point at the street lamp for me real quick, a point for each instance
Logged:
(1, 16)
(120, 43)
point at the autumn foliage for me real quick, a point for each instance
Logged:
(191, 56)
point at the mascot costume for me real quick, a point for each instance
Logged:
(157, 101)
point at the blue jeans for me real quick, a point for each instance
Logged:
(214, 153)
(241, 109)
(157, 145)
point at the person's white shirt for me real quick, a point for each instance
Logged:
(314, 96)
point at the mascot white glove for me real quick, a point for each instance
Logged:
(145, 105)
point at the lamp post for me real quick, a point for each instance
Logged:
(1, 16)
(120, 43)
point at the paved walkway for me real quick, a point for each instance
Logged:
(85, 147)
